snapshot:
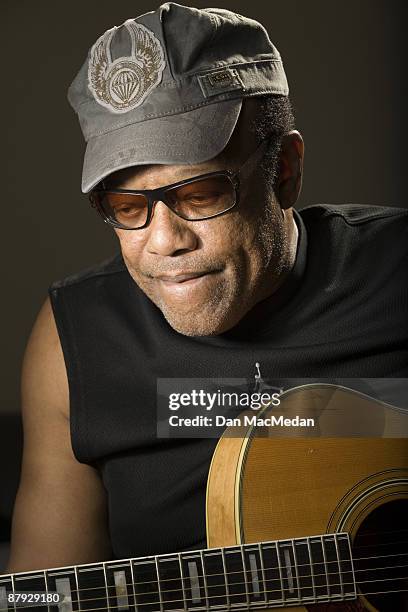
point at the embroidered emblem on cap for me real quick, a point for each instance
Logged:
(124, 83)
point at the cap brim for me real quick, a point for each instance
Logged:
(187, 138)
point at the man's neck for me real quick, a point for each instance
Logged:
(291, 251)
(263, 309)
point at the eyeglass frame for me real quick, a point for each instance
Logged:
(156, 195)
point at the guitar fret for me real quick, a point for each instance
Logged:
(6, 587)
(146, 587)
(170, 573)
(346, 566)
(309, 550)
(106, 587)
(13, 584)
(133, 585)
(319, 569)
(77, 583)
(194, 582)
(334, 581)
(273, 571)
(158, 586)
(338, 565)
(120, 587)
(253, 569)
(245, 576)
(204, 580)
(325, 568)
(193, 579)
(227, 594)
(296, 568)
(119, 577)
(62, 586)
(304, 570)
(214, 569)
(92, 593)
(285, 554)
(280, 570)
(183, 587)
(288, 568)
(235, 577)
(63, 582)
(46, 587)
(262, 571)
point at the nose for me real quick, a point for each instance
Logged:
(169, 234)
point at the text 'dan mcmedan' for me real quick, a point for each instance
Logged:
(271, 421)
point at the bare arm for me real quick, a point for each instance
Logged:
(60, 514)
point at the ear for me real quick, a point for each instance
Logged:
(289, 181)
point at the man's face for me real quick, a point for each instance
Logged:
(206, 275)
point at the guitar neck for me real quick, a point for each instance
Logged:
(265, 575)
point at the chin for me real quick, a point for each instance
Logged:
(200, 323)
(193, 327)
(211, 314)
(195, 331)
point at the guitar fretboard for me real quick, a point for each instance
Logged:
(265, 575)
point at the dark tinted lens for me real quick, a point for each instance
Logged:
(202, 198)
(128, 209)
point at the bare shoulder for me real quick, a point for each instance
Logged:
(60, 514)
(44, 378)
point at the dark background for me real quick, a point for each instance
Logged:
(346, 66)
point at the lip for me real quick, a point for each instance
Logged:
(182, 277)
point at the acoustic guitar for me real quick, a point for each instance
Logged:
(312, 520)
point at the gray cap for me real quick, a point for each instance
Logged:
(167, 87)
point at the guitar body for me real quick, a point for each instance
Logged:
(317, 519)
(263, 486)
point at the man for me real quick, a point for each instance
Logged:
(192, 158)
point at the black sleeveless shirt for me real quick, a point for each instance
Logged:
(342, 312)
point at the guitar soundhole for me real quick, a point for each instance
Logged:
(380, 552)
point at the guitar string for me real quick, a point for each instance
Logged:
(228, 574)
(290, 599)
(229, 584)
(382, 532)
(242, 571)
(386, 592)
(271, 568)
(383, 544)
(120, 564)
(284, 603)
(225, 596)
